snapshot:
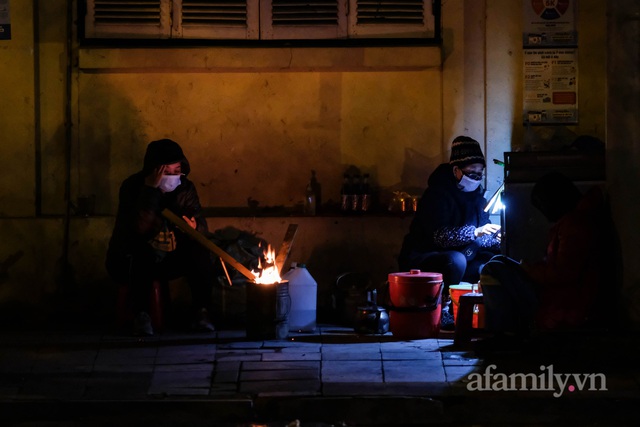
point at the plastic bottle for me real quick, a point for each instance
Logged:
(303, 291)
(317, 190)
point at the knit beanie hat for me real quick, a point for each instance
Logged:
(465, 151)
(163, 152)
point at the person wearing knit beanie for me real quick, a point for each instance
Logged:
(466, 151)
(450, 232)
(468, 163)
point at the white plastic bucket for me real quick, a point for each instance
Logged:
(303, 291)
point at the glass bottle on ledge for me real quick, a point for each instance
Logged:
(356, 199)
(345, 193)
(365, 201)
(309, 201)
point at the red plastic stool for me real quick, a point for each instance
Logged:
(464, 322)
(124, 309)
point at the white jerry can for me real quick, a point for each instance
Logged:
(303, 291)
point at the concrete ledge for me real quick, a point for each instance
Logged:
(238, 60)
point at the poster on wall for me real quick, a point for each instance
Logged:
(550, 86)
(549, 23)
(5, 22)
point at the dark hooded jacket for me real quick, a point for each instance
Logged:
(139, 218)
(446, 218)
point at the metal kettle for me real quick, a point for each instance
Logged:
(372, 319)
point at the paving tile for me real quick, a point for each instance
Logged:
(306, 393)
(186, 354)
(178, 391)
(414, 371)
(240, 357)
(128, 339)
(351, 371)
(353, 388)
(280, 365)
(428, 344)
(352, 355)
(241, 345)
(94, 367)
(296, 346)
(287, 386)
(184, 367)
(223, 389)
(409, 354)
(228, 365)
(187, 349)
(220, 377)
(291, 356)
(185, 359)
(288, 374)
(171, 384)
(351, 348)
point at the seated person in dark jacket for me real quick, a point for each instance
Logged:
(144, 246)
(450, 232)
(567, 288)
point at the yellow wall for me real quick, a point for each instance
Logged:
(254, 122)
(17, 115)
(255, 126)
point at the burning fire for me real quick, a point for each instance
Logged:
(267, 273)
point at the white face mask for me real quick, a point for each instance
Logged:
(467, 184)
(168, 183)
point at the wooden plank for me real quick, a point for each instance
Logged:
(199, 237)
(285, 248)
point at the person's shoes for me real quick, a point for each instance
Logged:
(447, 322)
(203, 322)
(142, 325)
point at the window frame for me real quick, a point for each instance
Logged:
(170, 29)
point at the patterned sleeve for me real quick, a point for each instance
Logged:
(451, 237)
(487, 241)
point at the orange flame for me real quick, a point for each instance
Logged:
(267, 273)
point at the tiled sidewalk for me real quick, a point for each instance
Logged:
(331, 362)
(332, 373)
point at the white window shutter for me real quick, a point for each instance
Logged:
(216, 19)
(128, 19)
(303, 19)
(391, 18)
